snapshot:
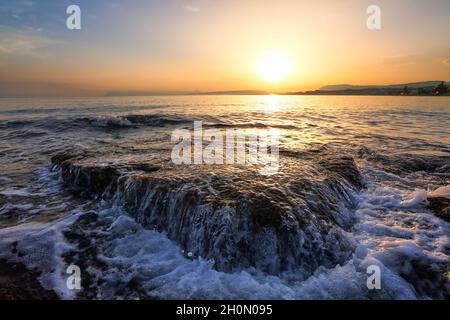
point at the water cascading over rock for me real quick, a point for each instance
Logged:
(293, 219)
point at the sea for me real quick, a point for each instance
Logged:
(140, 227)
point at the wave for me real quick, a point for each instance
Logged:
(135, 121)
(251, 125)
(101, 121)
(404, 162)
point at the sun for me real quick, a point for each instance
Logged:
(273, 67)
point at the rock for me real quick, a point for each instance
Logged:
(13, 276)
(440, 206)
(295, 218)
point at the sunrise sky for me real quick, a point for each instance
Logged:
(211, 45)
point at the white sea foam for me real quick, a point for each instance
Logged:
(5, 180)
(414, 198)
(39, 247)
(397, 231)
(16, 192)
(9, 206)
(111, 121)
(165, 272)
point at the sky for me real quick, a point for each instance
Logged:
(214, 45)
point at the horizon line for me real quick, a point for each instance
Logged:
(149, 93)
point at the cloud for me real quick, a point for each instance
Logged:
(16, 9)
(191, 8)
(446, 61)
(18, 43)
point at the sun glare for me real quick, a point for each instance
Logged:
(273, 67)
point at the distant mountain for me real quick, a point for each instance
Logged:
(412, 85)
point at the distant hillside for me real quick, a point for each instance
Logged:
(425, 88)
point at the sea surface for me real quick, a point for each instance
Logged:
(399, 145)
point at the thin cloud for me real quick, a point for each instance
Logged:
(191, 8)
(17, 9)
(21, 43)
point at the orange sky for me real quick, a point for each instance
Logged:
(179, 45)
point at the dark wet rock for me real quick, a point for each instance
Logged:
(145, 167)
(295, 218)
(90, 179)
(85, 179)
(63, 156)
(19, 283)
(345, 167)
(440, 206)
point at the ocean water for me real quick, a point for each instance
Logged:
(125, 242)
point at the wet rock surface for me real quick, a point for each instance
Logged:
(440, 206)
(295, 218)
(19, 283)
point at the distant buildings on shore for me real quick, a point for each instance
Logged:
(431, 88)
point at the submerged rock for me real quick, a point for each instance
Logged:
(295, 218)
